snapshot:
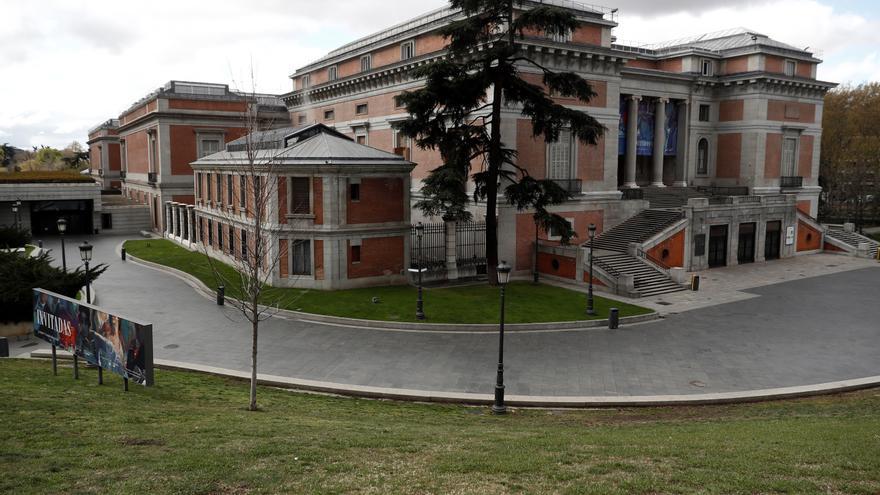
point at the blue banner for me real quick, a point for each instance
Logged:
(621, 127)
(645, 140)
(671, 147)
(114, 343)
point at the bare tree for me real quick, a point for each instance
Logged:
(253, 258)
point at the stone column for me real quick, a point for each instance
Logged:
(184, 221)
(168, 227)
(659, 142)
(191, 223)
(682, 152)
(175, 220)
(632, 126)
(451, 253)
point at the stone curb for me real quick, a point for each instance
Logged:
(517, 400)
(385, 325)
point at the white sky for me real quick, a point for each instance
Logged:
(68, 65)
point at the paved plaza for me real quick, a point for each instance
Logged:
(819, 326)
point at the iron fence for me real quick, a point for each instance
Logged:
(433, 247)
(470, 245)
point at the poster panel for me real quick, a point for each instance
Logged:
(671, 147)
(645, 139)
(117, 344)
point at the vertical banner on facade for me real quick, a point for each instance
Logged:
(621, 126)
(671, 147)
(122, 346)
(645, 139)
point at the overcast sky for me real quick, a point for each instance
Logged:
(68, 65)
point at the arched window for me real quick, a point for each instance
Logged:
(703, 156)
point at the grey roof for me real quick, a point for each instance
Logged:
(273, 138)
(717, 42)
(311, 143)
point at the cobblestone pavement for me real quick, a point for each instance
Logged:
(811, 329)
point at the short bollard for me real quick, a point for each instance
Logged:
(40, 244)
(613, 319)
(4, 347)
(123, 253)
(221, 295)
(695, 282)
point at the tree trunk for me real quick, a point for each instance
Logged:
(255, 325)
(495, 163)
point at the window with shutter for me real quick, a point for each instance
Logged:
(560, 162)
(300, 203)
(301, 252)
(789, 146)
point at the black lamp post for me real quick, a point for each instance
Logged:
(503, 272)
(590, 310)
(420, 310)
(15, 214)
(62, 228)
(85, 254)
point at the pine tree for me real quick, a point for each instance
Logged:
(457, 110)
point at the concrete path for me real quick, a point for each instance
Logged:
(807, 331)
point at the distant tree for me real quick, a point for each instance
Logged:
(44, 158)
(75, 156)
(850, 163)
(458, 113)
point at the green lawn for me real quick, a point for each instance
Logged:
(191, 435)
(525, 302)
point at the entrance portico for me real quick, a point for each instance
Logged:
(657, 128)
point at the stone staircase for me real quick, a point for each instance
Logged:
(647, 279)
(638, 229)
(853, 239)
(670, 197)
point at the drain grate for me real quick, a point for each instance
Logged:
(664, 303)
(29, 344)
(171, 346)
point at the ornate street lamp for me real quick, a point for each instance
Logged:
(503, 271)
(590, 310)
(85, 254)
(15, 216)
(62, 228)
(420, 310)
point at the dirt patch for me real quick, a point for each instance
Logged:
(146, 442)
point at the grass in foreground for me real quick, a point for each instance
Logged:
(191, 435)
(525, 303)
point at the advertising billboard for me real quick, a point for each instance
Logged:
(112, 342)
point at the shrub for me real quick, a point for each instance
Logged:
(22, 274)
(11, 237)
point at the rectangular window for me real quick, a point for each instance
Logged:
(242, 190)
(563, 37)
(300, 202)
(301, 120)
(218, 192)
(356, 254)
(198, 186)
(220, 236)
(208, 186)
(560, 157)
(329, 114)
(208, 146)
(401, 140)
(258, 193)
(361, 139)
(355, 191)
(366, 63)
(301, 252)
(210, 233)
(398, 102)
(306, 81)
(360, 109)
(707, 67)
(407, 50)
(790, 67)
(332, 73)
(229, 190)
(231, 241)
(244, 244)
(154, 154)
(789, 153)
(704, 113)
(553, 235)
